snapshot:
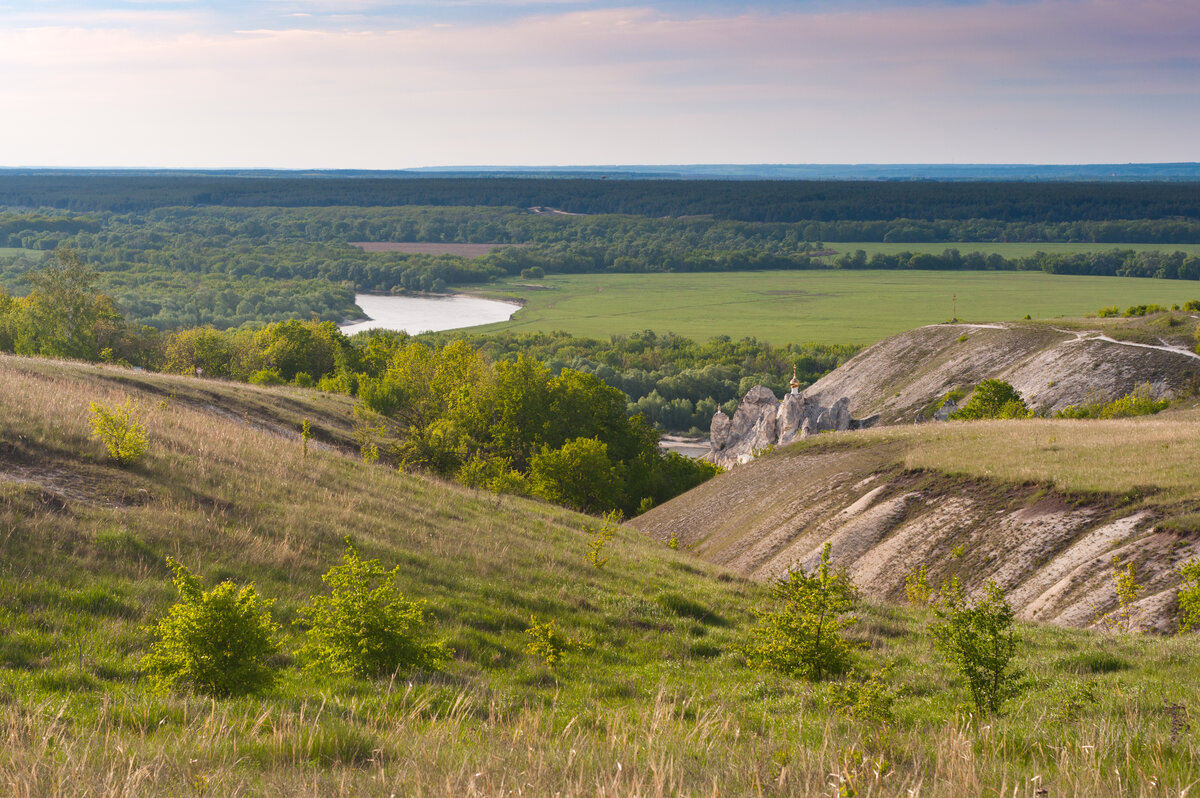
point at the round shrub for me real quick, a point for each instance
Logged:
(365, 627)
(215, 641)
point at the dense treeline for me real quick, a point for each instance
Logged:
(175, 267)
(674, 382)
(748, 200)
(1111, 263)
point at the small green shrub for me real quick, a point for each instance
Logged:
(916, 587)
(305, 437)
(870, 699)
(365, 627)
(803, 638)
(1109, 312)
(992, 399)
(548, 644)
(1127, 588)
(216, 641)
(1140, 401)
(1189, 596)
(1142, 310)
(120, 430)
(978, 640)
(1073, 698)
(266, 377)
(601, 537)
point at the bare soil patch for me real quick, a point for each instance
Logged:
(429, 248)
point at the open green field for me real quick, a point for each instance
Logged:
(1007, 250)
(858, 307)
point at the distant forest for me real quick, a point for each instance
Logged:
(787, 201)
(229, 266)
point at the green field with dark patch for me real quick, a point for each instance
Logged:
(820, 306)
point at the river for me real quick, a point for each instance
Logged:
(416, 314)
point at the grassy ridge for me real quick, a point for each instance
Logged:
(661, 703)
(858, 307)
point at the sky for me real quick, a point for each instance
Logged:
(372, 84)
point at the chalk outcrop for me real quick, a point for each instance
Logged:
(903, 379)
(763, 421)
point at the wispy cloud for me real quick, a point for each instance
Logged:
(1052, 80)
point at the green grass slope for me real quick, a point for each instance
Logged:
(660, 703)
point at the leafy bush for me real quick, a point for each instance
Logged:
(916, 587)
(1109, 312)
(1127, 589)
(869, 699)
(1189, 596)
(120, 430)
(266, 377)
(992, 399)
(548, 644)
(579, 475)
(365, 627)
(803, 638)
(1140, 401)
(978, 640)
(216, 641)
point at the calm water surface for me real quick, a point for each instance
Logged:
(416, 314)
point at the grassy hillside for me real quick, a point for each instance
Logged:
(660, 703)
(858, 307)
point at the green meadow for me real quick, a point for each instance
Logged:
(858, 307)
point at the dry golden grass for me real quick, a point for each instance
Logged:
(1117, 456)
